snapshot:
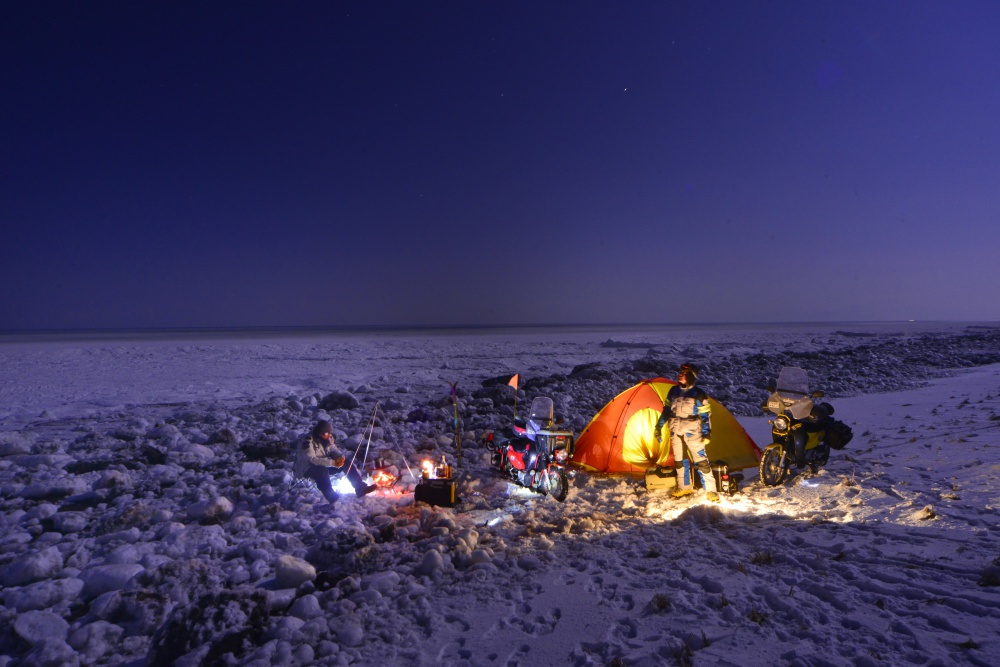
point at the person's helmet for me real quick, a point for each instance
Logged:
(322, 428)
(690, 369)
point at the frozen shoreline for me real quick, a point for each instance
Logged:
(67, 378)
(144, 484)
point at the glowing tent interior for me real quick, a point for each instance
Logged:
(619, 439)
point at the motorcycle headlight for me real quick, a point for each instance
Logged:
(781, 423)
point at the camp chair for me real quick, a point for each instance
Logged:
(296, 483)
(301, 483)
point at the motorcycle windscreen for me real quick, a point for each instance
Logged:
(793, 389)
(639, 446)
(542, 413)
(793, 381)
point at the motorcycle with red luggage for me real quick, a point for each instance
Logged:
(533, 454)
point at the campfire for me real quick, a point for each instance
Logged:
(381, 474)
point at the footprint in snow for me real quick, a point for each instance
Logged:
(518, 656)
(454, 651)
(459, 621)
(625, 603)
(542, 624)
(625, 629)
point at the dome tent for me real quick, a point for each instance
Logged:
(619, 439)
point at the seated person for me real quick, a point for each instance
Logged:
(318, 457)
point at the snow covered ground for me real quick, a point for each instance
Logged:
(147, 515)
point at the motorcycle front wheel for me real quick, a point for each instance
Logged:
(771, 471)
(556, 484)
(824, 454)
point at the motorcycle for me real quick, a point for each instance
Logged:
(803, 432)
(533, 454)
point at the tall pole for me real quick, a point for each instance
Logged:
(458, 430)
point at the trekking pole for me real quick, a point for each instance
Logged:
(458, 431)
(409, 469)
(371, 430)
(395, 442)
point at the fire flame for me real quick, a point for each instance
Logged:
(383, 478)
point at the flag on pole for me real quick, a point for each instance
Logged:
(513, 383)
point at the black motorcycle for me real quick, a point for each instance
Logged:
(532, 454)
(803, 432)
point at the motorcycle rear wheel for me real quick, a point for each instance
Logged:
(771, 471)
(557, 485)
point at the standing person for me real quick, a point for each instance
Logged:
(318, 458)
(689, 415)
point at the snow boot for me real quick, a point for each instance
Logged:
(365, 490)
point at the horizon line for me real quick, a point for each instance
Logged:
(356, 328)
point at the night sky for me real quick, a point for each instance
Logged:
(217, 164)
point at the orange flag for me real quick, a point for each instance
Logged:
(513, 381)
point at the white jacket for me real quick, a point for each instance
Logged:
(317, 453)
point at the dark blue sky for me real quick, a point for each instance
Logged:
(178, 164)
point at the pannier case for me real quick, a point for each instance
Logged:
(439, 492)
(661, 479)
(727, 483)
(838, 434)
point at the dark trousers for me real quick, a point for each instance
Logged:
(321, 475)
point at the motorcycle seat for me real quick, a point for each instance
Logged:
(813, 425)
(821, 411)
